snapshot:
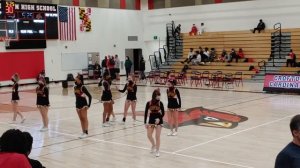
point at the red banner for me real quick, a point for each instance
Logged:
(282, 82)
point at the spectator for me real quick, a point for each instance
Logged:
(177, 31)
(233, 55)
(41, 76)
(189, 57)
(29, 141)
(111, 67)
(198, 58)
(206, 54)
(290, 59)
(97, 69)
(117, 67)
(194, 30)
(142, 68)
(103, 64)
(241, 55)
(128, 65)
(261, 26)
(289, 156)
(202, 29)
(13, 148)
(212, 55)
(223, 55)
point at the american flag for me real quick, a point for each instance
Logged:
(67, 23)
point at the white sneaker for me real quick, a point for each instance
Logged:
(106, 124)
(83, 135)
(122, 123)
(134, 122)
(174, 133)
(23, 120)
(170, 133)
(153, 149)
(157, 154)
(44, 129)
(114, 119)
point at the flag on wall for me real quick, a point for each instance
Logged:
(67, 23)
(84, 16)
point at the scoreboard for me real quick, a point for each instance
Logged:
(34, 21)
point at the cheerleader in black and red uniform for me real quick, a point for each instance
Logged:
(131, 89)
(174, 104)
(106, 99)
(82, 105)
(15, 98)
(42, 102)
(156, 109)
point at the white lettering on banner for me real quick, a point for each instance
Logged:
(288, 85)
(287, 78)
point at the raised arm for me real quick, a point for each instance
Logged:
(146, 113)
(179, 98)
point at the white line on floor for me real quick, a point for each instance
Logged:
(226, 136)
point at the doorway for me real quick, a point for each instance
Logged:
(135, 56)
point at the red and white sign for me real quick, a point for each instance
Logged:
(282, 82)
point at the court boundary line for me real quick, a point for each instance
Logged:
(235, 133)
(122, 144)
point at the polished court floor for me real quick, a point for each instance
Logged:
(211, 142)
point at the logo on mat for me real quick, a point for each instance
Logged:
(203, 117)
(208, 118)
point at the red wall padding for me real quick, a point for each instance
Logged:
(26, 64)
(75, 2)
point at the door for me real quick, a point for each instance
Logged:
(135, 56)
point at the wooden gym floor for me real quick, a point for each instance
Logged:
(227, 129)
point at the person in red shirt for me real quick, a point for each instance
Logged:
(13, 149)
(241, 54)
(291, 59)
(194, 30)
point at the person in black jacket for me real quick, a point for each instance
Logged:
(142, 68)
(131, 89)
(42, 102)
(28, 146)
(15, 98)
(82, 105)
(174, 104)
(261, 26)
(156, 109)
(104, 64)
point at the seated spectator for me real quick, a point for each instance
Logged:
(252, 68)
(190, 56)
(291, 59)
(212, 55)
(177, 31)
(198, 58)
(223, 55)
(29, 141)
(289, 156)
(261, 26)
(194, 31)
(13, 148)
(202, 29)
(233, 55)
(206, 54)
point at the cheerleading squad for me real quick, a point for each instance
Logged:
(154, 110)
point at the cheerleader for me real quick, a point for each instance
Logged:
(156, 109)
(106, 100)
(174, 104)
(15, 98)
(131, 89)
(82, 105)
(42, 102)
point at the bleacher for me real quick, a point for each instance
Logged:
(256, 47)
